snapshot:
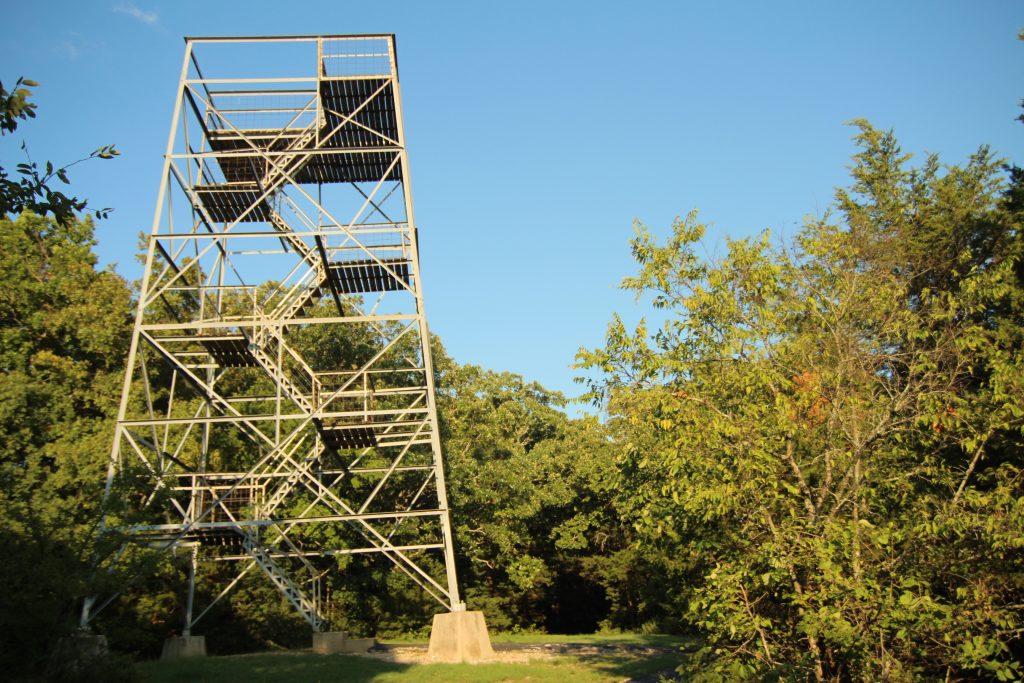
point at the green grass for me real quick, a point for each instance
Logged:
(304, 667)
(308, 668)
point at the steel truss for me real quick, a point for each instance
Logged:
(278, 410)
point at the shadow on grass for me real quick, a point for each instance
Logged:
(650, 668)
(616, 664)
(308, 668)
(280, 668)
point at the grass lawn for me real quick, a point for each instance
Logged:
(304, 667)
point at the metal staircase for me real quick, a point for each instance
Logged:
(306, 606)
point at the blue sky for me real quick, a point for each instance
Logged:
(538, 131)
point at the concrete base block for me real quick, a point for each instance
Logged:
(330, 642)
(184, 646)
(80, 646)
(459, 637)
(72, 656)
(335, 642)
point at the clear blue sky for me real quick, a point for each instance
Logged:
(538, 131)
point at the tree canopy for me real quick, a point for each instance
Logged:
(829, 428)
(64, 330)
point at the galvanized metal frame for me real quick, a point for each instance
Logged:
(233, 441)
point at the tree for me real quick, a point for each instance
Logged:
(63, 338)
(33, 189)
(829, 432)
(534, 504)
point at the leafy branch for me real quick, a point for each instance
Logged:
(31, 187)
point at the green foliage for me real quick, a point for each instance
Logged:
(14, 105)
(828, 433)
(537, 508)
(534, 493)
(32, 188)
(814, 457)
(63, 335)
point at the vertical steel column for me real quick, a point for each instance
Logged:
(133, 348)
(455, 603)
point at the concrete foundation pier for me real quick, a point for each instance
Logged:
(459, 637)
(184, 646)
(338, 642)
(81, 646)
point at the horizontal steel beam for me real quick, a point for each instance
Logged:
(301, 38)
(332, 553)
(187, 526)
(250, 323)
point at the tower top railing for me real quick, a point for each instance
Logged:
(279, 83)
(301, 58)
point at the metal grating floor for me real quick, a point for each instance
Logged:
(349, 437)
(370, 276)
(342, 97)
(229, 352)
(228, 203)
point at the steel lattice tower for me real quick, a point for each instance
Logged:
(279, 407)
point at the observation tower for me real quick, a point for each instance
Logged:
(278, 410)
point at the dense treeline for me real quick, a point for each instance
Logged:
(542, 543)
(828, 431)
(814, 460)
(64, 328)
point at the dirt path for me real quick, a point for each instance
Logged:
(519, 652)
